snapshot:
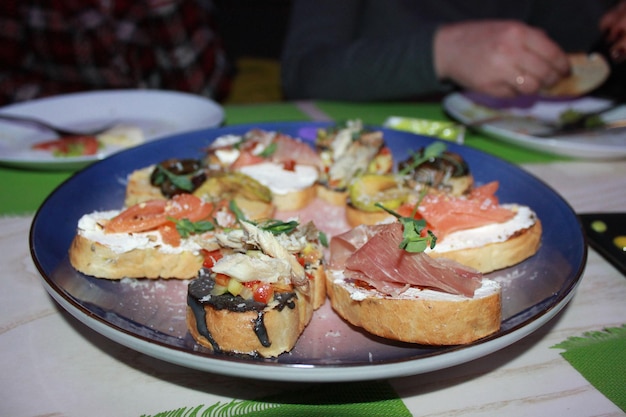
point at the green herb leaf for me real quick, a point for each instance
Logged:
(277, 227)
(186, 227)
(323, 239)
(434, 150)
(269, 150)
(180, 181)
(232, 205)
(412, 229)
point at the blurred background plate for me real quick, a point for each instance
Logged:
(156, 113)
(468, 108)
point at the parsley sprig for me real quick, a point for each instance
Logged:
(412, 229)
(434, 150)
(186, 227)
(180, 181)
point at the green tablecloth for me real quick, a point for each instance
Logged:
(23, 191)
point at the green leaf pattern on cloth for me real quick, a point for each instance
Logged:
(600, 356)
(357, 399)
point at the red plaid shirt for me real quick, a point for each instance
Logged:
(51, 47)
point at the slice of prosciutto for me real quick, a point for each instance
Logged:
(372, 254)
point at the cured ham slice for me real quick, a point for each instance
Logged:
(372, 254)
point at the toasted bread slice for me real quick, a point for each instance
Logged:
(420, 316)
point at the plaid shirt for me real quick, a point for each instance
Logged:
(52, 47)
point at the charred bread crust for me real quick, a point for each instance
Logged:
(491, 257)
(426, 318)
(95, 259)
(235, 327)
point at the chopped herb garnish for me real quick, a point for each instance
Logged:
(413, 241)
(269, 150)
(277, 227)
(323, 239)
(236, 211)
(186, 227)
(180, 181)
(434, 150)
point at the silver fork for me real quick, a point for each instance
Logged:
(547, 129)
(49, 126)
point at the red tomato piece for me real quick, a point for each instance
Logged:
(70, 145)
(211, 257)
(141, 217)
(188, 206)
(263, 293)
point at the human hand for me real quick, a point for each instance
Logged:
(613, 24)
(499, 58)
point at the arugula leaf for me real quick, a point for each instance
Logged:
(434, 150)
(323, 239)
(232, 205)
(186, 227)
(269, 150)
(180, 181)
(412, 229)
(277, 227)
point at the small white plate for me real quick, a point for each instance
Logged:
(156, 113)
(610, 144)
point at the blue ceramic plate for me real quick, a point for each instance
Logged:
(149, 316)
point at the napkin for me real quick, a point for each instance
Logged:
(600, 356)
(349, 399)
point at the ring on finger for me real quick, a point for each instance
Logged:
(520, 80)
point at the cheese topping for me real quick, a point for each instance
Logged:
(89, 227)
(491, 233)
(279, 180)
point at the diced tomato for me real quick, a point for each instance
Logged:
(263, 293)
(245, 159)
(138, 218)
(210, 258)
(70, 146)
(289, 165)
(169, 234)
(188, 206)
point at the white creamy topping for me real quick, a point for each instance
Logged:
(89, 228)
(225, 141)
(484, 235)
(227, 156)
(279, 180)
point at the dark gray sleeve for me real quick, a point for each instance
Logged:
(326, 55)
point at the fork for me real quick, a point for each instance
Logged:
(583, 123)
(48, 126)
(547, 129)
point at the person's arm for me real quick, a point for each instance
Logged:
(324, 58)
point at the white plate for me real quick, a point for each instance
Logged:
(598, 145)
(156, 113)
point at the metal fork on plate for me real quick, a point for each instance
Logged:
(48, 126)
